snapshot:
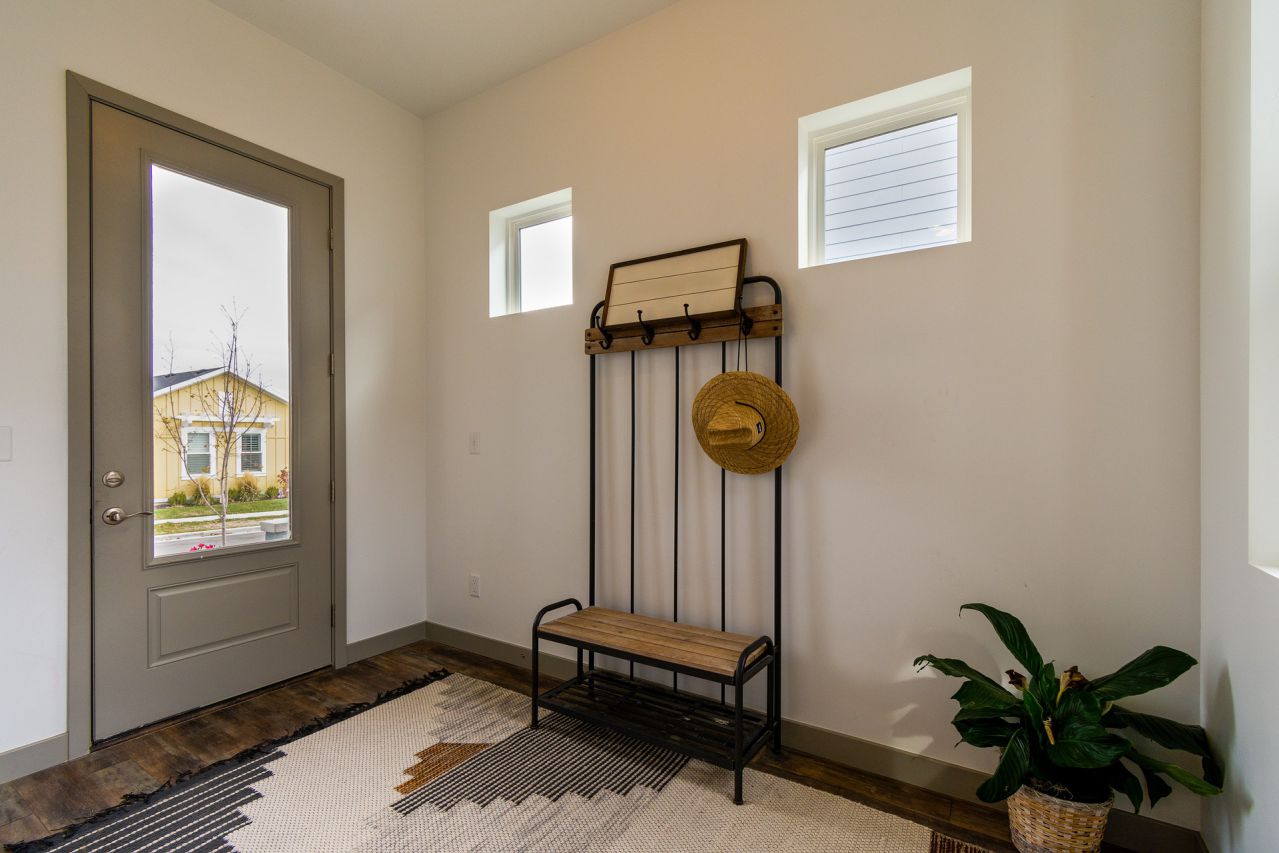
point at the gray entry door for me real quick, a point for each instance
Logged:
(211, 318)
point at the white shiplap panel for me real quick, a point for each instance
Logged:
(893, 191)
(705, 280)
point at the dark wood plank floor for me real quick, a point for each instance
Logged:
(45, 802)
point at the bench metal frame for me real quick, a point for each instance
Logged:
(691, 724)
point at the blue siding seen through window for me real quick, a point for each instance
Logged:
(892, 192)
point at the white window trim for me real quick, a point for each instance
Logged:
(505, 224)
(240, 470)
(213, 453)
(948, 94)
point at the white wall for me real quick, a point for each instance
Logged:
(200, 61)
(1240, 274)
(1013, 420)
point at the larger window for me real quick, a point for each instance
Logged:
(531, 254)
(885, 174)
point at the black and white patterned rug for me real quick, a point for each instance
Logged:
(453, 766)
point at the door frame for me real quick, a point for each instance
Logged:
(82, 93)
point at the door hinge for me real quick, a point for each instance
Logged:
(333, 615)
(330, 239)
(333, 491)
(333, 361)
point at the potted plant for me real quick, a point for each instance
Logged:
(1062, 753)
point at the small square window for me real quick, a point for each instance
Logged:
(531, 255)
(886, 174)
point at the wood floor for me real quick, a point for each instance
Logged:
(36, 805)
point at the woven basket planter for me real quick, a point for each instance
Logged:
(1044, 824)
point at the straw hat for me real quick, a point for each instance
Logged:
(745, 422)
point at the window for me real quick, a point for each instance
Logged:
(199, 453)
(531, 254)
(886, 174)
(252, 454)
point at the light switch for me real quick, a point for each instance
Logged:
(475, 444)
(6, 444)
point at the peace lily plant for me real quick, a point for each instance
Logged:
(1062, 734)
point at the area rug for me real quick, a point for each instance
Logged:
(453, 765)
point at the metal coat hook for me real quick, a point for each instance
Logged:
(747, 323)
(649, 331)
(694, 325)
(595, 323)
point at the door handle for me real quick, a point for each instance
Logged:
(115, 515)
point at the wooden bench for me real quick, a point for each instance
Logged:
(721, 732)
(701, 652)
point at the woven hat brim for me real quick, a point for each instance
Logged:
(781, 421)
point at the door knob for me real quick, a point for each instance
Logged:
(115, 515)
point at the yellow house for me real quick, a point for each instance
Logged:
(186, 409)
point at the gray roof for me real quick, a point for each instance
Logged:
(159, 383)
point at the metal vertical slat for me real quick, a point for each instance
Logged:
(632, 492)
(591, 558)
(675, 536)
(723, 526)
(776, 680)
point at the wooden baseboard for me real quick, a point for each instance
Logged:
(1133, 832)
(23, 760)
(367, 648)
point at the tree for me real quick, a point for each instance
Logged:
(229, 400)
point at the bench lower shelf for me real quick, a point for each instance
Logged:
(728, 735)
(690, 724)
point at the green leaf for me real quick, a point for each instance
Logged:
(1035, 716)
(1043, 684)
(1156, 786)
(1153, 668)
(1122, 780)
(985, 733)
(1177, 773)
(1013, 635)
(1086, 745)
(987, 713)
(1082, 741)
(986, 694)
(978, 695)
(1011, 771)
(1170, 734)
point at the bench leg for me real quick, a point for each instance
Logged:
(774, 716)
(533, 691)
(737, 746)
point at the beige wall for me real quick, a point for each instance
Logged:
(196, 59)
(1240, 276)
(1013, 420)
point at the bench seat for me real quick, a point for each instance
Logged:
(686, 648)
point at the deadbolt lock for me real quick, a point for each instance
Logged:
(112, 479)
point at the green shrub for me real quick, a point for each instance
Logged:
(244, 489)
(179, 498)
(200, 485)
(271, 493)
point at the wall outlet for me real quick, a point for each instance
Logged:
(473, 586)
(474, 445)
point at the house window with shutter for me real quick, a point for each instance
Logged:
(199, 462)
(252, 453)
(887, 174)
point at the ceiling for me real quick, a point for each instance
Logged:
(427, 54)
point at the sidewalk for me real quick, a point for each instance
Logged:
(231, 516)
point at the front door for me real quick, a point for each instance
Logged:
(212, 406)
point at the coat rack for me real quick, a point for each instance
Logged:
(714, 731)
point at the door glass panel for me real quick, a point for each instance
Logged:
(220, 366)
